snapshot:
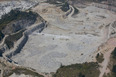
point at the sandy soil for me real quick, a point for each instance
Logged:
(106, 50)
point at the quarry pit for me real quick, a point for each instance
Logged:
(66, 40)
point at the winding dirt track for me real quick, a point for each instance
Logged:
(107, 50)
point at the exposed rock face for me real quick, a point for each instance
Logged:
(16, 20)
(7, 6)
(22, 41)
(1, 35)
(23, 20)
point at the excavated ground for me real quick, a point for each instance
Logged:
(66, 40)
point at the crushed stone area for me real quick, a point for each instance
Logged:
(65, 41)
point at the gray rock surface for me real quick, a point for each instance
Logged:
(65, 41)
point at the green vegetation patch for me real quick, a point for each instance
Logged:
(114, 53)
(14, 15)
(9, 41)
(100, 58)
(112, 65)
(114, 69)
(65, 7)
(78, 70)
(1, 35)
(26, 72)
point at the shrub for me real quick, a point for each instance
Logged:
(1, 35)
(99, 58)
(65, 7)
(14, 15)
(81, 75)
(114, 53)
(114, 69)
(9, 41)
(78, 70)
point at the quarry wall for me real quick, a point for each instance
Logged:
(22, 41)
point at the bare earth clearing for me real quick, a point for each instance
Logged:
(67, 40)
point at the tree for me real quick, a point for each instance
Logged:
(114, 69)
(1, 35)
(65, 7)
(81, 75)
(114, 53)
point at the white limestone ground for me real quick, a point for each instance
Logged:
(65, 41)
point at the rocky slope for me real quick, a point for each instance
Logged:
(66, 38)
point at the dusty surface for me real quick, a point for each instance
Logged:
(66, 40)
(107, 50)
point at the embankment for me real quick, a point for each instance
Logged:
(22, 41)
